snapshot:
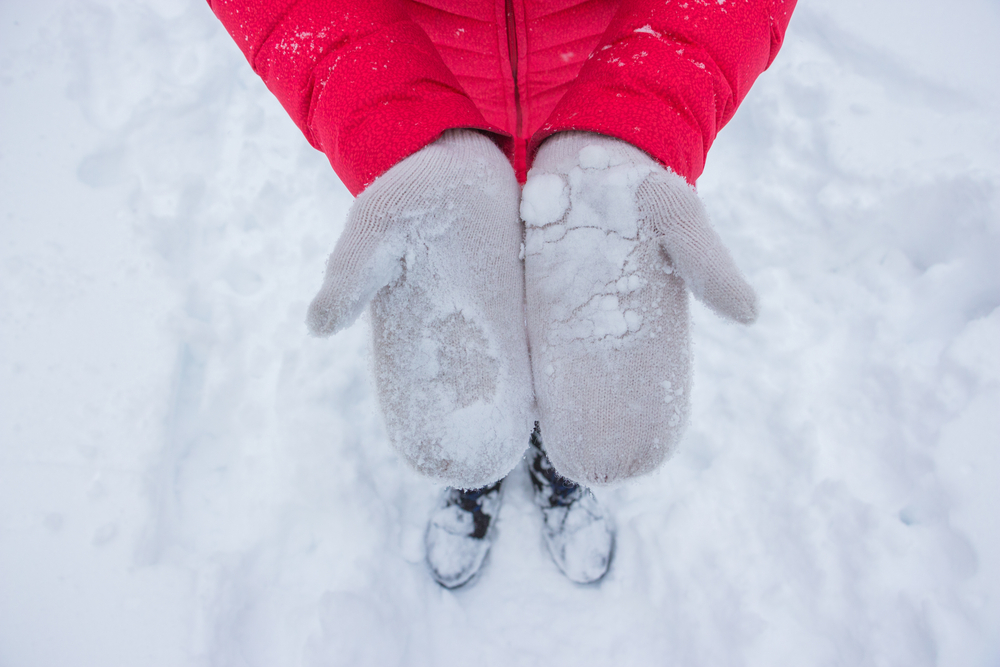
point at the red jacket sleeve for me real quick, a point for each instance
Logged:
(668, 75)
(360, 79)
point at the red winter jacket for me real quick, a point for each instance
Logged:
(369, 82)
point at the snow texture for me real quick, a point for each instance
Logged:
(187, 478)
(607, 315)
(435, 241)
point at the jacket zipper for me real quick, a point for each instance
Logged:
(520, 159)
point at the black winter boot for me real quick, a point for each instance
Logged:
(577, 529)
(459, 534)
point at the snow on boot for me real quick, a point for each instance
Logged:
(459, 534)
(577, 529)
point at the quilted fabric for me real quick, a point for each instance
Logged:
(370, 83)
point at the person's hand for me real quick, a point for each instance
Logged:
(613, 243)
(433, 245)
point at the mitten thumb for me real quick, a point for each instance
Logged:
(368, 256)
(695, 249)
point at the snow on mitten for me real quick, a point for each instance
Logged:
(433, 245)
(613, 242)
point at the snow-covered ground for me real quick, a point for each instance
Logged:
(188, 479)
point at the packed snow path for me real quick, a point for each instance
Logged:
(188, 479)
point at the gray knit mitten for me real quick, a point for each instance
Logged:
(433, 245)
(613, 243)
